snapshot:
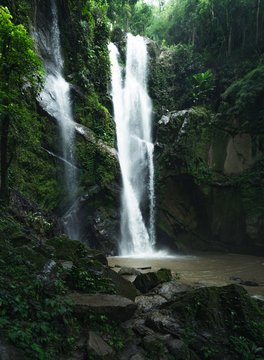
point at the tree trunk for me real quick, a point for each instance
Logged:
(4, 161)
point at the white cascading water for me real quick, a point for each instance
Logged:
(133, 118)
(55, 99)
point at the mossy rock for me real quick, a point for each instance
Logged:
(123, 287)
(145, 282)
(66, 249)
(221, 312)
(164, 275)
(88, 263)
(73, 250)
(32, 256)
(20, 240)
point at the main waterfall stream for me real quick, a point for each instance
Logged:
(55, 99)
(132, 113)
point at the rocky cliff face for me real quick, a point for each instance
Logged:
(209, 194)
(38, 172)
(207, 190)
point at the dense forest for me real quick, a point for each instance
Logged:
(206, 82)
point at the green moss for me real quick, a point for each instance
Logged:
(252, 188)
(66, 249)
(219, 144)
(36, 174)
(99, 166)
(35, 258)
(215, 310)
(164, 275)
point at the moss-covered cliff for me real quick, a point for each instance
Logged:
(209, 164)
(37, 170)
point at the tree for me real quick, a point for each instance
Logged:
(20, 74)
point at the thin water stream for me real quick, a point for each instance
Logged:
(56, 101)
(205, 269)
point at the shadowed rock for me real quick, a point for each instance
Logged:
(96, 346)
(145, 282)
(115, 307)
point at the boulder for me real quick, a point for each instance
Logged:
(170, 290)
(115, 307)
(131, 351)
(149, 303)
(138, 356)
(73, 250)
(152, 342)
(145, 282)
(96, 346)
(164, 323)
(66, 265)
(178, 349)
(249, 283)
(128, 271)
(123, 287)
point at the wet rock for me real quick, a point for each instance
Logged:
(138, 356)
(151, 343)
(142, 330)
(249, 283)
(178, 349)
(104, 227)
(260, 300)
(233, 278)
(164, 324)
(145, 282)
(96, 346)
(89, 136)
(148, 303)
(97, 256)
(153, 48)
(123, 287)
(164, 120)
(131, 351)
(115, 307)
(254, 226)
(171, 289)
(66, 265)
(133, 323)
(128, 271)
(49, 273)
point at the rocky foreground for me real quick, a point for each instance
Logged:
(60, 300)
(73, 303)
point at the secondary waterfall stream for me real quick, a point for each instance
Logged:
(55, 99)
(133, 117)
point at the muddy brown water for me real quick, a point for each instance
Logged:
(205, 269)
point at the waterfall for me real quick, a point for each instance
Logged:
(55, 99)
(133, 115)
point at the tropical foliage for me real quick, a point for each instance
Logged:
(21, 74)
